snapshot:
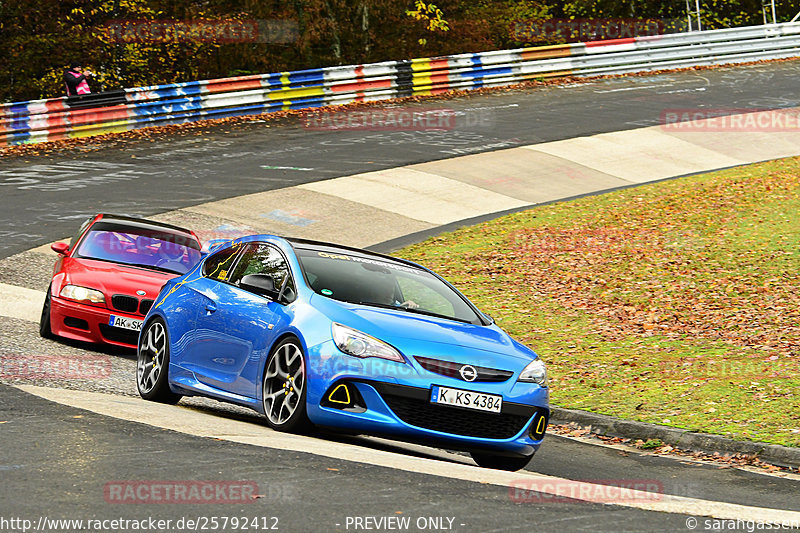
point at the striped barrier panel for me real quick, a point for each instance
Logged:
(62, 118)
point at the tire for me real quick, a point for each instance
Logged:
(152, 364)
(45, 330)
(284, 387)
(500, 462)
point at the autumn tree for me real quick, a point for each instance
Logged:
(39, 39)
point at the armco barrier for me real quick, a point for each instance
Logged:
(59, 118)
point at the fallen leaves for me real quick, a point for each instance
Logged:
(656, 446)
(644, 268)
(650, 302)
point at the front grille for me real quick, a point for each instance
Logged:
(126, 303)
(453, 370)
(119, 335)
(422, 413)
(145, 306)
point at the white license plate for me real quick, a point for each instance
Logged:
(465, 398)
(125, 323)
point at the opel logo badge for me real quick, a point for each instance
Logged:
(468, 373)
(140, 292)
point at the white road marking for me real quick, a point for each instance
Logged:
(696, 89)
(270, 167)
(482, 108)
(196, 423)
(639, 88)
(418, 195)
(649, 154)
(20, 302)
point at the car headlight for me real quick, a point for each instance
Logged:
(358, 344)
(76, 292)
(535, 372)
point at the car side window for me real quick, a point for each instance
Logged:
(218, 266)
(261, 258)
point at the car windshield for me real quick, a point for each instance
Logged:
(379, 282)
(142, 247)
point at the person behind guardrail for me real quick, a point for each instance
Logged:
(75, 80)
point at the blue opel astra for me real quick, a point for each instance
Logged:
(317, 334)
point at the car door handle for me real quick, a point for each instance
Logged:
(211, 307)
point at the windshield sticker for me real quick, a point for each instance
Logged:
(326, 292)
(366, 261)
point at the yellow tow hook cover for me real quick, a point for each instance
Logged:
(340, 397)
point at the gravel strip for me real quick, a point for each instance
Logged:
(31, 269)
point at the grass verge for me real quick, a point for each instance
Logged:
(674, 303)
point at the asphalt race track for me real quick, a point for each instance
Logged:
(61, 451)
(44, 203)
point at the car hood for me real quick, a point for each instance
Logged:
(427, 336)
(114, 278)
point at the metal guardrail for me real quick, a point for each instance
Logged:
(60, 118)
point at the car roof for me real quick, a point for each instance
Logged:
(141, 223)
(306, 244)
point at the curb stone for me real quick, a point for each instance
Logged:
(610, 426)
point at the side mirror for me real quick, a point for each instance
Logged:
(60, 248)
(262, 284)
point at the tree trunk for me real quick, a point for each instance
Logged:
(337, 44)
(365, 28)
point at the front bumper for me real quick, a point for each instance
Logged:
(396, 403)
(88, 323)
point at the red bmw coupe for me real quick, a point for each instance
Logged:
(105, 280)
